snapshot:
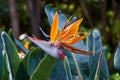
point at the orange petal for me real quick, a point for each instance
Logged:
(74, 40)
(71, 30)
(74, 25)
(26, 45)
(62, 32)
(54, 28)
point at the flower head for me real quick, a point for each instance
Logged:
(68, 35)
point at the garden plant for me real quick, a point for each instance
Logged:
(67, 53)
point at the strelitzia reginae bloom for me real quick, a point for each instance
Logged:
(62, 39)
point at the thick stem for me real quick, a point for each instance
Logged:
(34, 16)
(14, 18)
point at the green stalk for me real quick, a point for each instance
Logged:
(67, 67)
(98, 67)
(77, 67)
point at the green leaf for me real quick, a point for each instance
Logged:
(5, 73)
(73, 62)
(21, 46)
(117, 58)
(46, 46)
(50, 11)
(50, 14)
(1, 58)
(22, 71)
(44, 68)
(67, 68)
(98, 67)
(95, 45)
(12, 53)
(77, 67)
(82, 60)
(17, 42)
(11, 35)
(60, 72)
(36, 55)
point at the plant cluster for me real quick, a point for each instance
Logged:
(56, 59)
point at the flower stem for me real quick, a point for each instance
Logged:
(77, 67)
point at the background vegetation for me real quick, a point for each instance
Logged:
(25, 16)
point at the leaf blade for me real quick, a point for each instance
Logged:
(11, 52)
(47, 64)
(117, 58)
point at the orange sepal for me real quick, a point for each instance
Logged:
(69, 31)
(54, 28)
(74, 40)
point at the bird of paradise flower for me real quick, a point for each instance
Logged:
(68, 35)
